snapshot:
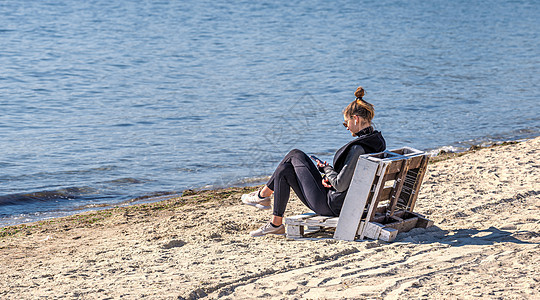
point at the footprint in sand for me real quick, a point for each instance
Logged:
(174, 244)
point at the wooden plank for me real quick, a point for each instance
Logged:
(294, 222)
(312, 222)
(399, 214)
(312, 229)
(403, 226)
(400, 151)
(302, 216)
(378, 219)
(373, 230)
(392, 176)
(419, 178)
(377, 157)
(360, 228)
(332, 222)
(407, 151)
(297, 220)
(398, 219)
(385, 193)
(397, 189)
(294, 231)
(355, 200)
(318, 219)
(423, 222)
(394, 167)
(415, 162)
(381, 209)
(374, 205)
(388, 234)
(374, 202)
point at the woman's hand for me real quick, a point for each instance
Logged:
(326, 183)
(321, 164)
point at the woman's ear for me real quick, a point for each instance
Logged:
(363, 122)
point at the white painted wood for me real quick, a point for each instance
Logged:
(316, 221)
(360, 228)
(320, 218)
(355, 201)
(332, 222)
(384, 165)
(408, 151)
(296, 220)
(312, 229)
(302, 216)
(293, 222)
(294, 231)
(388, 234)
(310, 222)
(373, 230)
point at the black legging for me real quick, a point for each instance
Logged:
(297, 170)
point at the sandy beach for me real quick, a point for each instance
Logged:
(485, 244)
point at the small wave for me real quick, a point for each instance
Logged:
(5, 164)
(126, 180)
(445, 149)
(153, 197)
(184, 170)
(105, 168)
(146, 122)
(471, 146)
(9, 220)
(43, 196)
(93, 206)
(223, 182)
(121, 66)
(251, 180)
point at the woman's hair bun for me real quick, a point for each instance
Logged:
(360, 107)
(359, 92)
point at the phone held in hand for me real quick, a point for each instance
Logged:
(315, 158)
(318, 160)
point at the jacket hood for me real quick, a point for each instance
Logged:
(372, 142)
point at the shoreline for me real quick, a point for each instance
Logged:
(438, 154)
(485, 243)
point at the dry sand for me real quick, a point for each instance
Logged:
(485, 244)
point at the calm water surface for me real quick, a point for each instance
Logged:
(102, 102)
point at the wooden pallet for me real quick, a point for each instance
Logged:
(380, 200)
(382, 228)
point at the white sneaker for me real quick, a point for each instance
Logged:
(254, 200)
(268, 229)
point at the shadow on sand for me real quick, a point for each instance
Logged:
(462, 237)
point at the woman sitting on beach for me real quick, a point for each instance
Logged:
(324, 195)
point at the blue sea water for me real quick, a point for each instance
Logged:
(106, 102)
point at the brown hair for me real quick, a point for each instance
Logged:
(360, 107)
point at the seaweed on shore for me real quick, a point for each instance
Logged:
(119, 214)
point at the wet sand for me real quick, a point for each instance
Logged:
(485, 245)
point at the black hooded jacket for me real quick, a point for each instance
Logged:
(368, 141)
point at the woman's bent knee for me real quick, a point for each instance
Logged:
(283, 169)
(296, 153)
